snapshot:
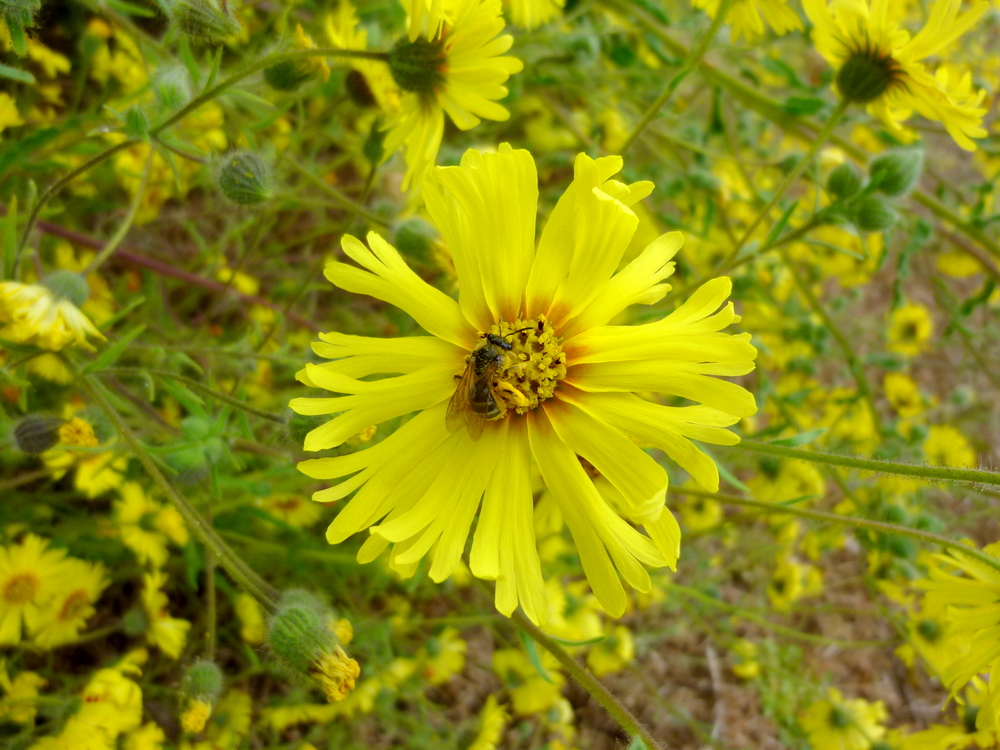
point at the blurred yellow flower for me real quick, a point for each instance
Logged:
(748, 17)
(79, 587)
(34, 314)
(947, 446)
(29, 581)
(910, 328)
(838, 724)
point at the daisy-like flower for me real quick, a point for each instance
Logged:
(168, 633)
(29, 579)
(47, 316)
(80, 585)
(537, 378)
(910, 328)
(530, 14)
(146, 526)
(838, 724)
(493, 718)
(96, 471)
(947, 446)
(18, 702)
(748, 17)
(455, 66)
(369, 80)
(880, 64)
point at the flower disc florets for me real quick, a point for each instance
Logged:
(533, 367)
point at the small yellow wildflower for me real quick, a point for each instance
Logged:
(337, 673)
(146, 526)
(493, 718)
(903, 394)
(443, 656)
(9, 117)
(785, 586)
(744, 659)
(79, 587)
(530, 693)
(910, 328)
(947, 446)
(51, 62)
(838, 724)
(251, 617)
(168, 633)
(195, 716)
(18, 703)
(530, 14)
(35, 315)
(748, 17)
(295, 510)
(613, 653)
(29, 577)
(147, 737)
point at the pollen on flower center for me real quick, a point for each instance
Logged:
(533, 367)
(20, 589)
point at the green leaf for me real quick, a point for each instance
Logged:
(779, 227)
(797, 500)
(250, 101)
(18, 39)
(185, 397)
(213, 74)
(9, 239)
(802, 439)
(113, 352)
(107, 324)
(536, 661)
(587, 642)
(131, 10)
(16, 74)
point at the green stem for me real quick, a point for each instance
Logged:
(853, 363)
(588, 682)
(234, 565)
(692, 62)
(853, 521)
(338, 197)
(821, 138)
(112, 244)
(191, 383)
(754, 617)
(973, 476)
(31, 476)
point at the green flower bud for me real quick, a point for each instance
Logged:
(204, 20)
(19, 15)
(298, 637)
(287, 75)
(37, 433)
(874, 214)
(865, 76)
(373, 148)
(136, 124)
(172, 87)
(68, 285)
(203, 681)
(244, 179)
(135, 622)
(844, 181)
(416, 66)
(895, 173)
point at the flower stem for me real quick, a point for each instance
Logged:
(973, 476)
(820, 140)
(119, 235)
(588, 682)
(690, 64)
(234, 565)
(853, 363)
(860, 523)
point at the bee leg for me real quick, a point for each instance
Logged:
(512, 393)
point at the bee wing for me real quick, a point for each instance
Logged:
(459, 408)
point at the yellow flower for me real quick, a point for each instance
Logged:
(530, 14)
(613, 653)
(785, 586)
(35, 315)
(442, 657)
(146, 526)
(168, 633)
(147, 737)
(530, 693)
(493, 718)
(903, 394)
(294, 510)
(563, 384)
(52, 63)
(946, 446)
(29, 581)
(18, 703)
(9, 117)
(195, 715)
(455, 68)
(345, 32)
(700, 513)
(317, 63)
(879, 64)
(910, 328)
(744, 659)
(96, 472)
(251, 618)
(838, 724)
(337, 673)
(748, 17)
(79, 587)
(230, 720)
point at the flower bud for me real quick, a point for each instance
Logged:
(19, 15)
(203, 681)
(894, 174)
(874, 214)
(204, 20)
(67, 285)
(865, 76)
(287, 75)
(37, 433)
(374, 145)
(244, 179)
(302, 635)
(844, 181)
(416, 66)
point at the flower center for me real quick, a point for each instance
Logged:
(866, 75)
(840, 717)
(20, 589)
(77, 432)
(74, 606)
(532, 367)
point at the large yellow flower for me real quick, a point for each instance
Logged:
(453, 64)
(748, 17)
(880, 64)
(565, 388)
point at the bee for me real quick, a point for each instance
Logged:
(476, 399)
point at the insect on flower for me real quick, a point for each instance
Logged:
(476, 400)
